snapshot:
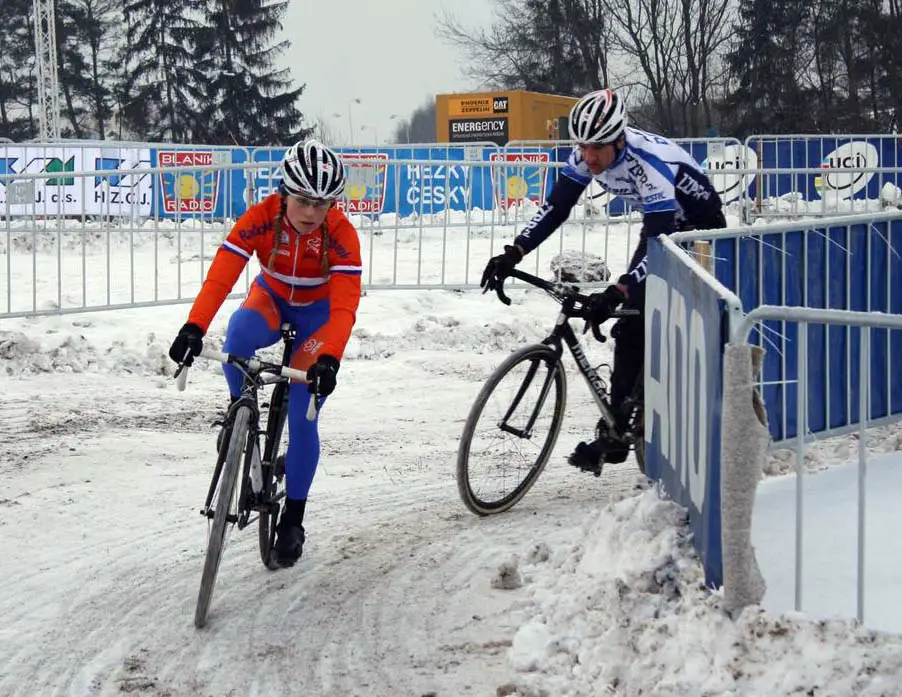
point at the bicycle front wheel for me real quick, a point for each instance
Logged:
(225, 511)
(511, 430)
(273, 475)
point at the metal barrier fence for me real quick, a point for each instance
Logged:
(142, 247)
(847, 263)
(810, 174)
(149, 215)
(825, 309)
(860, 327)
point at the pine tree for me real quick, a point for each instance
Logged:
(766, 63)
(18, 90)
(88, 68)
(246, 100)
(164, 80)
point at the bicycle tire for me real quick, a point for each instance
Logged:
(552, 361)
(639, 445)
(273, 482)
(222, 505)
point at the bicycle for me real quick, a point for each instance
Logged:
(261, 487)
(544, 359)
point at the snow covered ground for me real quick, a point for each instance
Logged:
(587, 587)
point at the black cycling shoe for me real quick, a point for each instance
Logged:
(289, 544)
(290, 533)
(590, 457)
(587, 457)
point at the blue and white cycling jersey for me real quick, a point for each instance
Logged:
(654, 174)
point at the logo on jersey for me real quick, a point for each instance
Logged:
(690, 186)
(311, 346)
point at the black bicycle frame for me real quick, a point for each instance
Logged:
(275, 424)
(561, 335)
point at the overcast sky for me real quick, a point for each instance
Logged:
(384, 53)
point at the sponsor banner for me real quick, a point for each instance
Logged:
(56, 195)
(493, 130)
(855, 155)
(469, 107)
(723, 163)
(803, 268)
(190, 192)
(128, 188)
(522, 178)
(126, 191)
(685, 335)
(828, 153)
(365, 187)
(374, 186)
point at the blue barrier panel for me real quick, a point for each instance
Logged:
(856, 267)
(826, 153)
(685, 324)
(375, 187)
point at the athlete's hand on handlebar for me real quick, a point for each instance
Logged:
(499, 268)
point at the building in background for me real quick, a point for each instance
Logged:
(499, 117)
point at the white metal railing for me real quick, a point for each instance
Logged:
(864, 321)
(55, 261)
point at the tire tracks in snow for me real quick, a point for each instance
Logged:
(392, 597)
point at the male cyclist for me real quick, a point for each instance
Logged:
(309, 255)
(649, 172)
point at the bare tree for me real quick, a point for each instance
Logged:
(326, 132)
(556, 46)
(678, 48)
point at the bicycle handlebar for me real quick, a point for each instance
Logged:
(562, 293)
(254, 365)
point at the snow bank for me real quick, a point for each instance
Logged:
(623, 611)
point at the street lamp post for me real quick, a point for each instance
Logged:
(406, 125)
(356, 100)
(375, 133)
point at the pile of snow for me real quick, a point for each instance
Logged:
(826, 453)
(580, 267)
(24, 354)
(623, 611)
(137, 341)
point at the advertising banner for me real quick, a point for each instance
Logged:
(685, 335)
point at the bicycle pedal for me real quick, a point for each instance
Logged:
(594, 469)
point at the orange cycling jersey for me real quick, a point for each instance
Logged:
(299, 269)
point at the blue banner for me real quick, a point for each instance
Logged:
(856, 267)
(427, 186)
(825, 153)
(685, 325)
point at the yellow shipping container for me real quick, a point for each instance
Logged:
(499, 117)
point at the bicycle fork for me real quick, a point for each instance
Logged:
(526, 431)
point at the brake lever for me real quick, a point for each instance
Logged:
(499, 291)
(596, 331)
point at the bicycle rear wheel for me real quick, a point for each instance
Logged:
(639, 445)
(225, 511)
(273, 474)
(511, 430)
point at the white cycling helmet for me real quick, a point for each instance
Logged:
(599, 117)
(311, 169)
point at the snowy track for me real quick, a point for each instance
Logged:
(102, 546)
